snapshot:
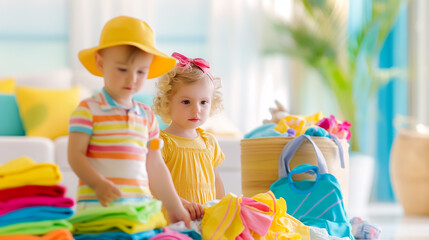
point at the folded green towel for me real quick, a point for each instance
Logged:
(39, 228)
(139, 212)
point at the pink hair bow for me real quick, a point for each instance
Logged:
(186, 63)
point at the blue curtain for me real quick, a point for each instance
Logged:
(392, 100)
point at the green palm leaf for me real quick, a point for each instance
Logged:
(317, 37)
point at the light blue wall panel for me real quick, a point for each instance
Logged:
(34, 18)
(34, 36)
(20, 58)
(183, 26)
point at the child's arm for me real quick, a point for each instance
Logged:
(196, 210)
(162, 187)
(220, 189)
(104, 189)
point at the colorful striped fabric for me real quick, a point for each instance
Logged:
(118, 142)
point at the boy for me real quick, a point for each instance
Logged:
(109, 132)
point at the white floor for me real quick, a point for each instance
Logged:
(395, 225)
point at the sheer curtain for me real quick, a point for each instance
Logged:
(87, 18)
(418, 44)
(229, 36)
(251, 81)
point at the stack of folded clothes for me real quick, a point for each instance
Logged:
(133, 221)
(32, 204)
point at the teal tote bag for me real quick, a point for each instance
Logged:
(317, 202)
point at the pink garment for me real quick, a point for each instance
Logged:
(340, 130)
(169, 234)
(254, 219)
(18, 203)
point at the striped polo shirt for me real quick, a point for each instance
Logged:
(118, 143)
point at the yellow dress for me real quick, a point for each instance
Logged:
(191, 163)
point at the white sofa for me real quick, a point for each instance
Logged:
(42, 149)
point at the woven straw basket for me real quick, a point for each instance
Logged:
(260, 160)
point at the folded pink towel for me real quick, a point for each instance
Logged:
(31, 190)
(19, 203)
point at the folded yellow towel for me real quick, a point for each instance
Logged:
(122, 224)
(24, 171)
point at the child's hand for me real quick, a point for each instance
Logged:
(107, 192)
(180, 214)
(196, 210)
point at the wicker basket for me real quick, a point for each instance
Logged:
(260, 160)
(409, 167)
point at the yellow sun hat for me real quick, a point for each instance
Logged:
(125, 30)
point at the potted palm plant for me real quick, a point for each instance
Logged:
(346, 62)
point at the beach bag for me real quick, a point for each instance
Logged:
(291, 148)
(317, 202)
(260, 161)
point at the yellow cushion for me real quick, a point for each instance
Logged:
(46, 112)
(7, 85)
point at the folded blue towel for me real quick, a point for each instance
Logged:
(33, 214)
(266, 130)
(118, 235)
(192, 234)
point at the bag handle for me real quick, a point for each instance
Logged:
(289, 151)
(340, 150)
(303, 169)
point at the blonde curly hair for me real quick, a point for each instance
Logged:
(169, 83)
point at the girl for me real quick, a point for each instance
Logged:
(188, 95)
